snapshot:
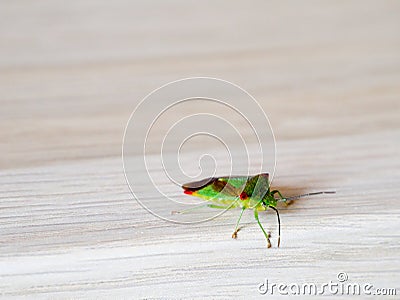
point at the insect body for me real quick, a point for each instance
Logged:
(246, 192)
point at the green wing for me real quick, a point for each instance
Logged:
(227, 189)
(257, 186)
(221, 190)
(236, 181)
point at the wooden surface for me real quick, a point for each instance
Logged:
(326, 73)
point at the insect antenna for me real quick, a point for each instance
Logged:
(279, 225)
(309, 194)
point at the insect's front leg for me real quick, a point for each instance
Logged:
(283, 199)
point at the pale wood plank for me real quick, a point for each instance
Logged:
(328, 76)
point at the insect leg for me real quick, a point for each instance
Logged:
(283, 199)
(218, 206)
(197, 207)
(265, 233)
(176, 212)
(234, 234)
(279, 193)
(279, 225)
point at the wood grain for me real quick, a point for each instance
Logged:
(326, 73)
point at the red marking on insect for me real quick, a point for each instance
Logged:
(188, 192)
(243, 196)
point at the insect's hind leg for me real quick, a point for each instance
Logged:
(234, 234)
(267, 235)
(218, 206)
(197, 207)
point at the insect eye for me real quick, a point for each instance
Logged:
(243, 196)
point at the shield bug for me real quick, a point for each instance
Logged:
(246, 192)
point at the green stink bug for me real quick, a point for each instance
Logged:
(246, 192)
